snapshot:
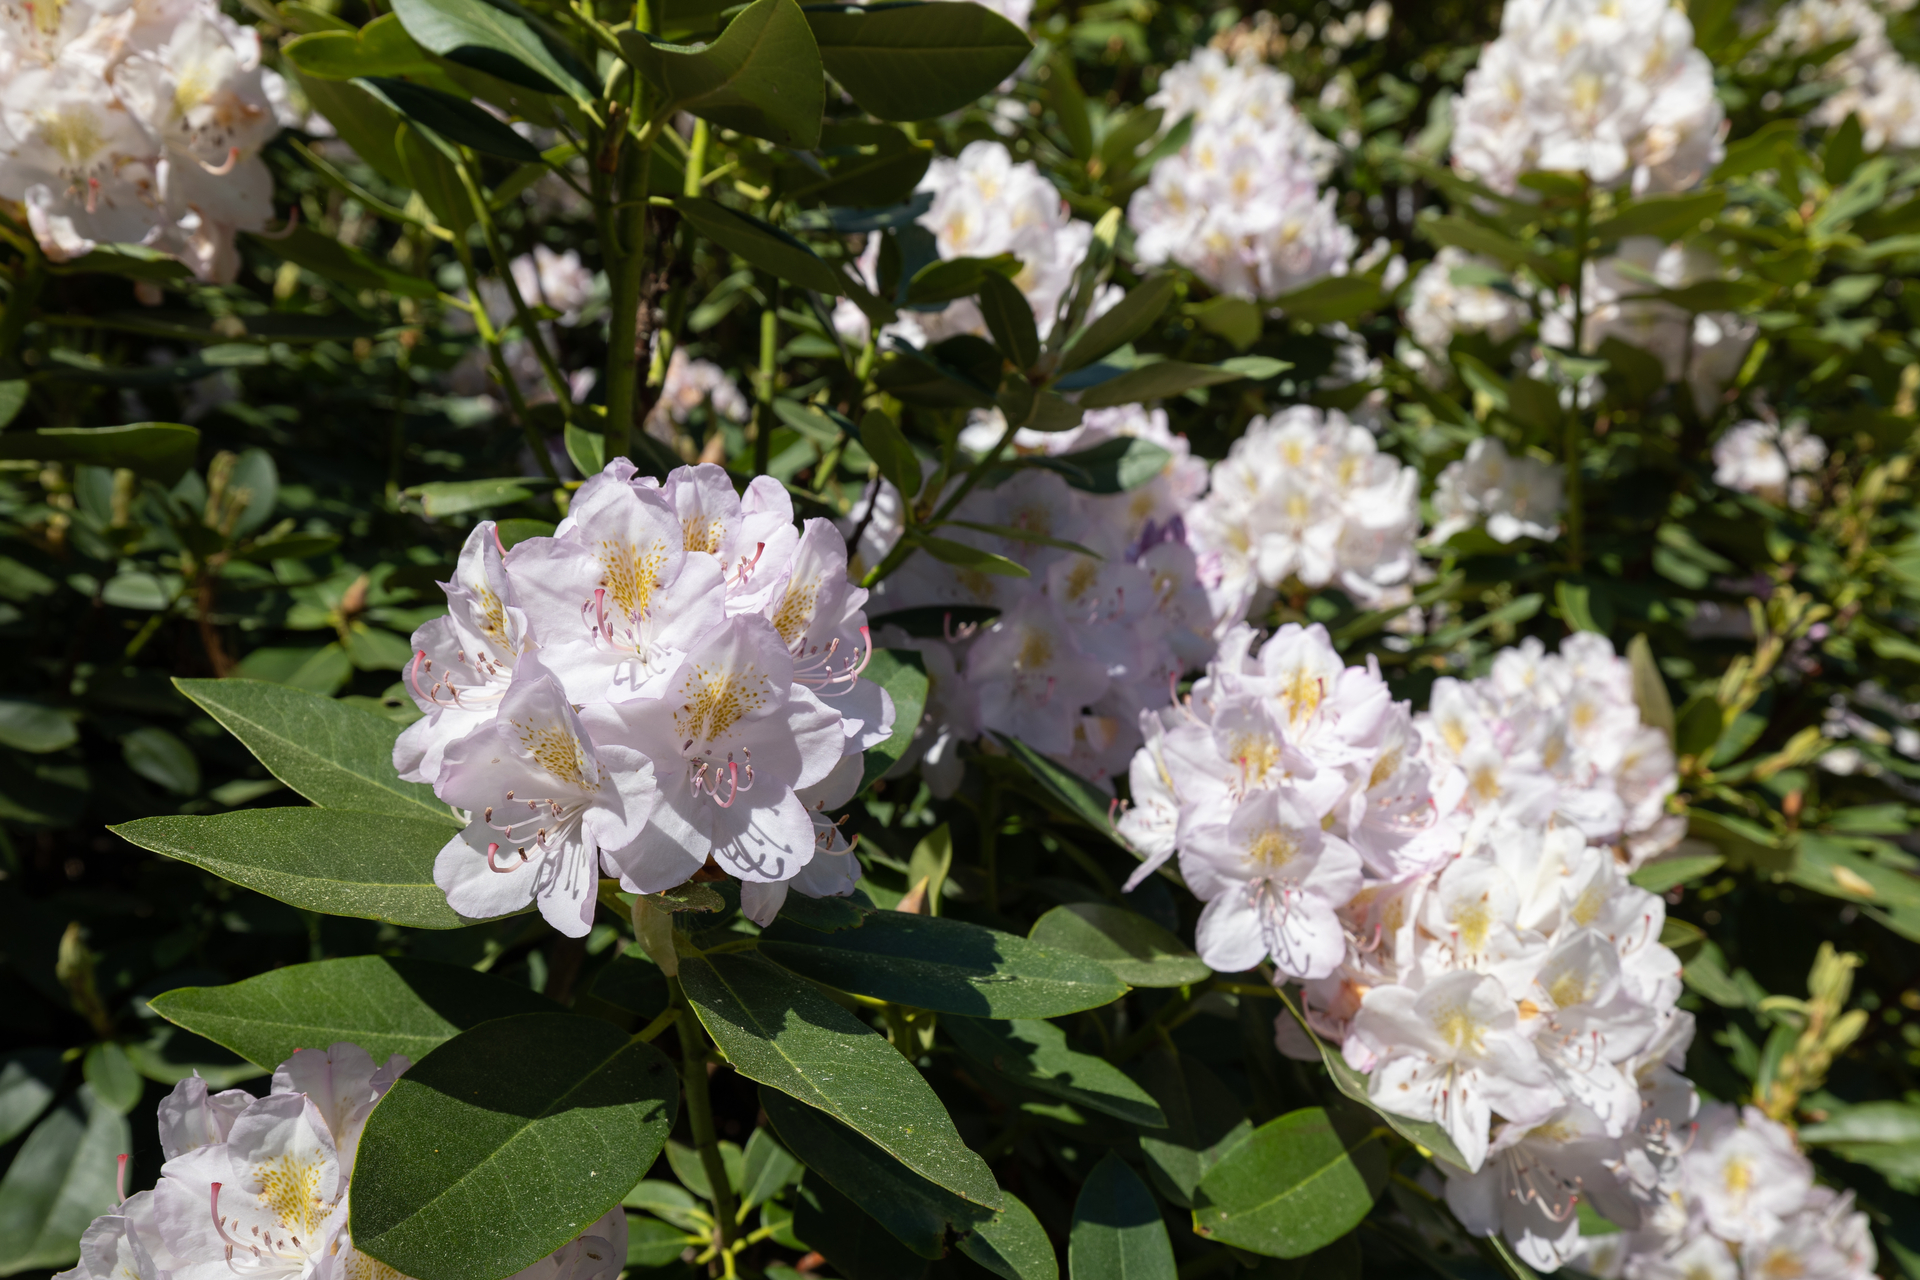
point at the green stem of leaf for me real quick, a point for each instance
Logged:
(769, 366)
(629, 275)
(529, 327)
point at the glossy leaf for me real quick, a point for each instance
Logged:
(766, 247)
(158, 450)
(499, 38)
(1884, 1136)
(761, 76)
(917, 1212)
(671, 1202)
(779, 1030)
(868, 166)
(948, 966)
(634, 983)
(454, 119)
(1013, 1244)
(767, 1167)
(1118, 465)
(486, 1121)
(435, 179)
(890, 452)
(60, 1179)
(384, 1004)
(1663, 874)
(1118, 1233)
(1138, 951)
(28, 1080)
(331, 753)
(839, 1228)
(113, 1077)
(1204, 1121)
(335, 861)
(915, 61)
(381, 48)
(903, 674)
(1291, 1187)
(1034, 1055)
(1009, 319)
(1132, 316)
(945, 279)
(1162, 379)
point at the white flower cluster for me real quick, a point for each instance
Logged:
(687, 385)
(259, 1186)
(136, 123)
(1455, 293)
(1240, 204)
(1512, 498)
(1703, 350)
(1776, 463)
(1613, 89)
(1745, 1207)
(672, 678)
(1089, 639)
(1305, 496)
(1876, 83)
(1447, 890)
(985, 205)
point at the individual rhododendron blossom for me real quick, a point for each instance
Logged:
(1510, 497)
(1459, 293)
(1241, 203)
(1773, 462)
(1703, 350)
(1084, 643)
(1876, 84)
(260, 1186)
(557, 280)
(687, 385)
(137, 123)
(671, 680)
(1613, 89)
(1306, 499)
(1744, 1206)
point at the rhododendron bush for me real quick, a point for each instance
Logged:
(946, 638)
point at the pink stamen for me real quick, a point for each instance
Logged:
(493, 849)
(221, 171)
(419, 657)
(220, 1223)
(120, 1180)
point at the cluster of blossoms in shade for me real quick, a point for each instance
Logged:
(669, 682)
(260, 1187)
(137, 123)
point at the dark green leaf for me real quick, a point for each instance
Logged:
(1160, 380)
(1009, 319)
(488, 1121)
(914, 61)
(113, 1077)
(868, 166)
(1293, 1186)
(13, 398)
(1658, 877)
(763, 246)
(335, 861)
(35, 727)
(839, 1228)
(949, 278)
(433, 176)
(635, 983)
(760, 77)
(902, 673)
(1034, 1055)
(499, 38)
(653, 1243)
(28, 1080)
(1076, 796)
(1667, 217)
(158, 450)
(1112, 466)
(161, 759)
(917, 1212)
(780, 1031)
(948, 966)
(384, 1004)
(455, 119)
(458, 497)
(767, 1166)
(947, 551)
(1235, 319)
(333, 261)
(1335, 300)
(1013, 1244)
(890, 452)
(1125, 321)
(381, 48)
(1117, 1232)
(331, 753)
(1204, 1121)
(1884, 1136)
(1138, 951)
(60, 1179)
(363, 122)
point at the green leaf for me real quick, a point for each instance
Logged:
(60, 1179)
(779, 1030)
(1013, 533)
(1827, 865)
(760, 77)
(1118, 1233)
(1658, 877)
(671, 1201)
(1112, 466)
(653, 1243)
(335, 861)
(433, 176)
(1013, 1244)
(458, 497)
(162, 759)
(903, 674)
(1698, 725)
(1034, 1055)
(1334, 300)
(35, 728)
(945, 279)
(1165, 378)
(499, 38)
(768, 1167)
(915, 61)
(947, 551)
(840, 1229)
(113, 1077)
(1749, 846)
(1667, 217)
(1235, 319)
(1422, 1133)
(868, 166)
(948, 966)
(1649, 687)
(384, 1004)
(692, 1170)
(381, 48)
(157, 450)
(917, 1212)
(28, 1081)
(1074, 794)
(1290, 1188)
(331, 753)
(506, 1142)
(13, 398)
(363, 122)
(1204, 1121)
(1884, 1136)
(1009, 319)
(1132, 316)
(455, 119)
(1138, 951)
(766, 247)
(890, 452)
(635, 983)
